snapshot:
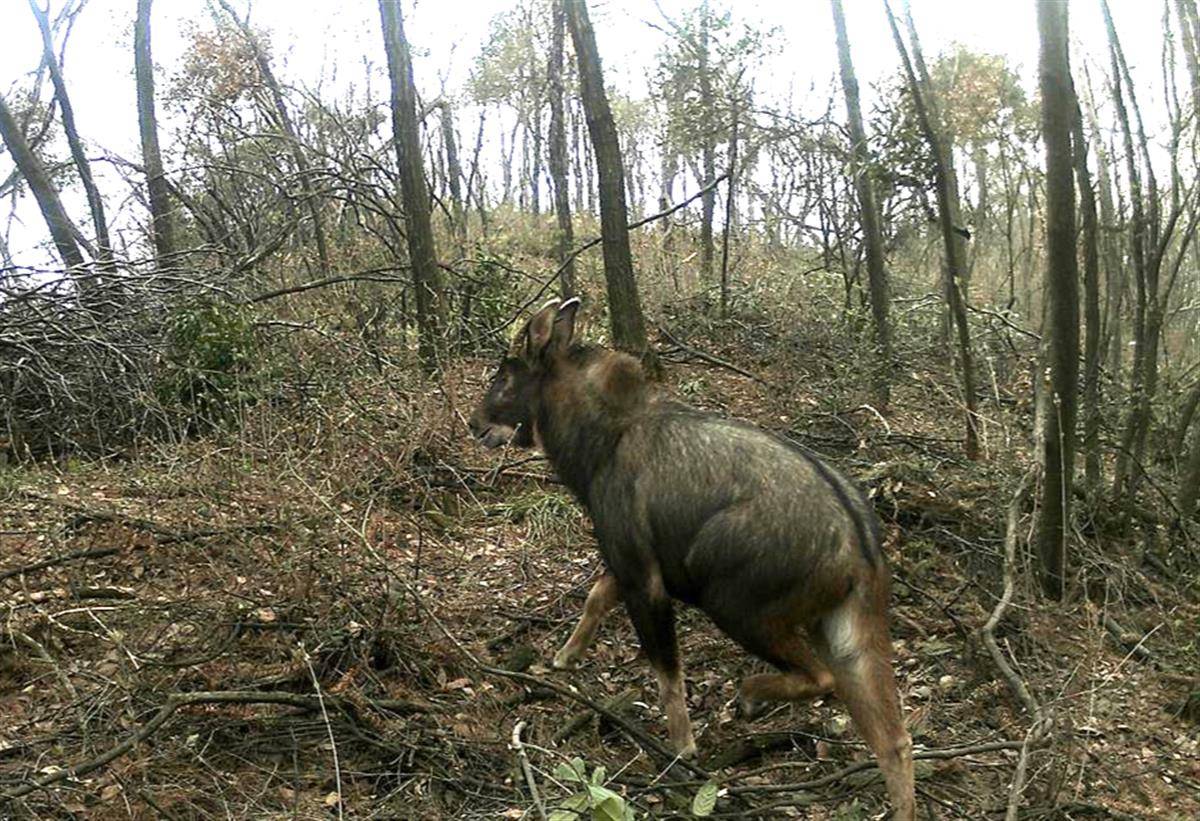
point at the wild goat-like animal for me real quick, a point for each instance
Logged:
(778, 548)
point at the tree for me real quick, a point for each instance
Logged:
(78, 155)
(947, 198)
(624, 305)
(860, 170)
(422, 250)
(1062, 292)
(1092, 351)
(288, 129)
(62, 230)
(162, 229)
(558, 153)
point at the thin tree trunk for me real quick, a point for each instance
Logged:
(62, 230)
(454, 177)
(162, 228)
(1091, 291)
(952, 241)
(78, 156)
(708, 149)
(860, 170)
(303, 170)
(427, 280)
(558, 153)
(624, 305)
(1062, 292)
(729, 193)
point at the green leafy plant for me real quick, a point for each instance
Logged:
(211, 353)
(593, 800)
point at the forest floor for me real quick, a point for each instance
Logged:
(346, 615)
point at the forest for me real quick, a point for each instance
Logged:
(259, 263)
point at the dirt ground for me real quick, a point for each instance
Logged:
(345, 610)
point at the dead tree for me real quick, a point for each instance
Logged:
(947, 208)
(62, 230)
(624, 304)
(868, 207)
(78, 155)
(558, 153)
(162, 229)
(1062, 293)
(422, 250)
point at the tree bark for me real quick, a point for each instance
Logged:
(303, 170)
(1189, 481)
(860, 170)
(78, 156)
(1062, 291)
(624, 304)
(558, 153)
(62, 230)
(407, 137)
(161, 227)
(955, 262)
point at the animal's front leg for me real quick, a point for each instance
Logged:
(653, 616)
(603, 597)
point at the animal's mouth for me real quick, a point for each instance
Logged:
(495, 436)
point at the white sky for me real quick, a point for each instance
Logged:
(332, 38)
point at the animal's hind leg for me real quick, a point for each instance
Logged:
(604, 597)
(858, 649)
(804, 676)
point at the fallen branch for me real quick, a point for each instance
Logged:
(179, 700)
(1040, 724)
(709, 358)
(526, 769)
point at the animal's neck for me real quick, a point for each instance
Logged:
(583, 415)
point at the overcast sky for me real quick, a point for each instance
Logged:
(334, 39)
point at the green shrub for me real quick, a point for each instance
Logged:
(211, 362)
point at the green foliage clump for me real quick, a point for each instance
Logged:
(593, 801)
(211, 359)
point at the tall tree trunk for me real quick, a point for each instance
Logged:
(1091, 299)
(454, 177)
(708, 148)
(78, 156)
(422, 252)
(62, 230)
(303, 170)
(624, 305)
(1189, 26)
(860, 170)
(558, 153)
(1062, 292)
(162, 229)
(955, 261)
(731, 184)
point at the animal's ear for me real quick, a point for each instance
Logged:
(564, 325)
(536, 336)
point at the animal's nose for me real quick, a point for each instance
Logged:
(477, 425)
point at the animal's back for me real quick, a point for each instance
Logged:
(730, 509)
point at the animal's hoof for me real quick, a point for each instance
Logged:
(751, 709)
(565, 660)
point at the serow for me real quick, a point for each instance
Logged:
(778, 548)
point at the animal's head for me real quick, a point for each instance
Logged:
(506, 413)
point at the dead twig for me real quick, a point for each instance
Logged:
(709, 358)
(523, 759)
